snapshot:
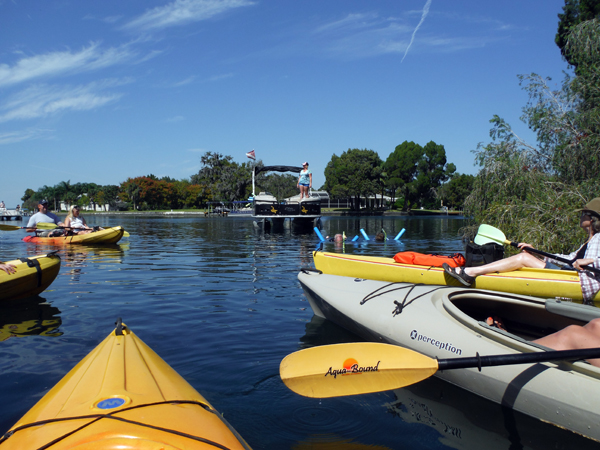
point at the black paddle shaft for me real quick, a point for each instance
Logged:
(518, 358)
(550, 255)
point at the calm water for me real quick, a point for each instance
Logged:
(220, 302)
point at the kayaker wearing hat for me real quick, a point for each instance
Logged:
(304, 180)
(44, 216)
(587, 254)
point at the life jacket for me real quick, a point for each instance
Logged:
(421, 259)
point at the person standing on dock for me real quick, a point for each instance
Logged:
(304, 180)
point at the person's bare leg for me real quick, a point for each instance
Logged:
(515, 262)
(575, 337)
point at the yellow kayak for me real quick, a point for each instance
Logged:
(545, 283)
(122, 395)
(110, 235)
(34, 275)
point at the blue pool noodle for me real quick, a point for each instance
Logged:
(364, 234)
(355, 238)
(319, 234)
(400, 234)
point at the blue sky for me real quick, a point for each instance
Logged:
(104, 90)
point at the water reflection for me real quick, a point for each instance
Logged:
(76, 258)
(29, 317)
(465, 420)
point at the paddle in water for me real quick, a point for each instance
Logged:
(361, 368)
(487, 234)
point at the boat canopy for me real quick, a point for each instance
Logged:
(256, 170)
(277, 169)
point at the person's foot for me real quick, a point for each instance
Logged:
(495, 322)
(459, 274)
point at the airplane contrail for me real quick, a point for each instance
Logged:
(425, 12)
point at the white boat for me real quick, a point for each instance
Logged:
(268, 212)
(447, 322)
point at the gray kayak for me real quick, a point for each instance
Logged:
(447, 322)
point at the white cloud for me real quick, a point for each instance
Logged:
(45, 100)
(12, 137)
(367, 34)
(182, 12)
(58, 63)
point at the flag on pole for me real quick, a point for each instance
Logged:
(251, 154)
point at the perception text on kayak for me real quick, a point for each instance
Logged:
(415, 335)
(355, 368)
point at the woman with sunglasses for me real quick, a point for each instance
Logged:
(76, 223)
(587, 254)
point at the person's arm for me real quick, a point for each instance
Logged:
(310, 178)
(592, 253)
(67, 223)
(57, 221)
(31, 224)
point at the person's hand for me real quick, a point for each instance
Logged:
(523, 245)
(582, 262)
(8, 268)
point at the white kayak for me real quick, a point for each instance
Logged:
(447, 322)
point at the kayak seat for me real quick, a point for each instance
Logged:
(513, 336)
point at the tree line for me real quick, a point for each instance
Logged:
(355, 174)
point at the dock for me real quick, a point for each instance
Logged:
(10, 214)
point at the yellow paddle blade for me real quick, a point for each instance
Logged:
(46, 226)
(9, 227)
(126, 234)
(351, 369)
(487, 234)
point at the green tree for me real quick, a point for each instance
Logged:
(354, 174)
(401, 167)
(280, 185)
(432, 171)
(574, 13)
(454, 192)
(531, 190)
(29, 200)
(225, 179)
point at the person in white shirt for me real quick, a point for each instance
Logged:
(76, 222)
(44, 216)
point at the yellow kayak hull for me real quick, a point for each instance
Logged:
(110, 235)
(545, 283)
(122, 395)
(33, 276)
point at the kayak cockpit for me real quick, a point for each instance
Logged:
(524, 317)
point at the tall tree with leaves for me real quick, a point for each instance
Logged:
(531, 190)
(401, 168)
(432, 171)
(354, 174)
(574, 13)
